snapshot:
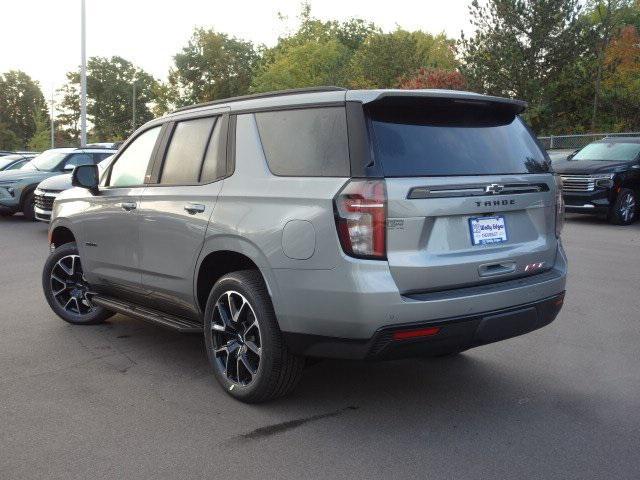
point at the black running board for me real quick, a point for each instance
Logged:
(148, 315)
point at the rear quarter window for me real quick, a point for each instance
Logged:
(308, 142)
(449, 139)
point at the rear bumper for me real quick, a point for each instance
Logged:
(453, 334)
(358, 298)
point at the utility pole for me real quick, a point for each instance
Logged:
(83, 77)
(133, 120)
(53, 141)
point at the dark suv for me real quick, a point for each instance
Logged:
(603, 177)
(354, 224)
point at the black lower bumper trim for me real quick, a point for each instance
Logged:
(459, 333)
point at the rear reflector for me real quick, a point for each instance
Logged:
(421, 332)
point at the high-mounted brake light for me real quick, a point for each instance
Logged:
(361, 218)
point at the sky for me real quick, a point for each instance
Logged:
(42, 37)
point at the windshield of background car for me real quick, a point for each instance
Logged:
(46, 161)
(453, 138)
(620, 152)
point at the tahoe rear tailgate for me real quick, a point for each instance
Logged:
(454, 167)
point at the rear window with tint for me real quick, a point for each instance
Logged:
(305, 142)
(448, 138)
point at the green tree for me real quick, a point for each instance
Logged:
(383, 59)
(41, 139)
(8, 139)
(317, 53)
(20, 101)
(68, 110)
(110, 98)
(211, 66)
(520, 48)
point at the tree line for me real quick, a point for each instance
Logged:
(576, 63)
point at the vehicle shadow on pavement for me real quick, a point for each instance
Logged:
(430, 396)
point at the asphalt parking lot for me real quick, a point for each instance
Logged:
(130, 400)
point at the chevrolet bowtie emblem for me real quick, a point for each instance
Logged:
(494, 188)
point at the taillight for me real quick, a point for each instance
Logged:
(361, 218)
(559, 206)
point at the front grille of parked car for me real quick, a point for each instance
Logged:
(44, 199)
(578, 183)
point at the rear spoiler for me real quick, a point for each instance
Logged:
(406, 96)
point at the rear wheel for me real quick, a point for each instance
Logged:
(28, 207)
(624, 210)
(244, 343)
(66, 290)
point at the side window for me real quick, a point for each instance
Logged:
(183, 161)
(98, 157)
(131, 167)
(214, 165)
(18, 165)
(78, 159)
(305, 142)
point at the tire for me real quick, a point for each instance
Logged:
(246, 351)
(5, 214)
(28, 207)
(71, 302)
(625, 209)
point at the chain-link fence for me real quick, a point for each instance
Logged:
(573, 142)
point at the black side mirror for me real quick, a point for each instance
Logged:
(86, 176)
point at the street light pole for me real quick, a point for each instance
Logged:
(83, 77)
(52, 126)
(133, 120)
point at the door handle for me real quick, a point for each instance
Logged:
(128, 206)
(194, 208)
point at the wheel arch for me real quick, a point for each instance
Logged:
(223, 255)
(60, 233)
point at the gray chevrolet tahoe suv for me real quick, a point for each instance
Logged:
(317, 223)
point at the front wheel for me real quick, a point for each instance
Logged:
(624, 210)
(29, 207)
(244, 344)
(66, 289)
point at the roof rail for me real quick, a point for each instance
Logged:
(276, 93)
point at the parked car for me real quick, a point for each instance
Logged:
(603, 177)
(14, 161)
(322, 223)
(17, 186)
(47, 191)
